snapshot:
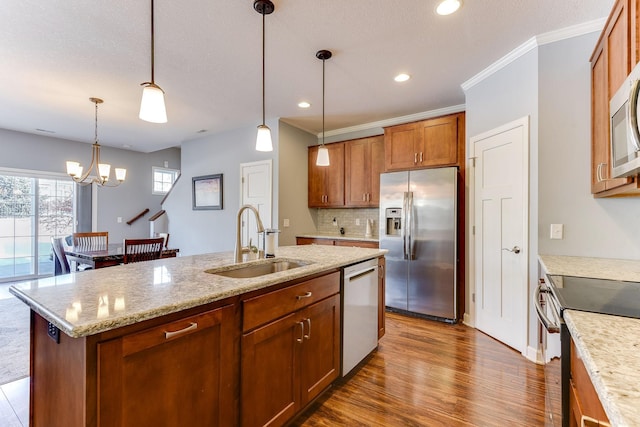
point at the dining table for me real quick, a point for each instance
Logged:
(112, 255)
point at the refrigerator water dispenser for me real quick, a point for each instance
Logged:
(393, 221)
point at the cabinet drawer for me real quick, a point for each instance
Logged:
(270, 306)
(159, 335)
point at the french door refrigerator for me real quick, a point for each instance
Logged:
(418, 227)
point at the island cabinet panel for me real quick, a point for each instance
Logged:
(585, 408)
(291, 355)
(364, 161)
(173, 374)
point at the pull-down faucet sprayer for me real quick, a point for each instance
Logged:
(239, 250)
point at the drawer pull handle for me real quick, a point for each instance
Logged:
(307, 295)
(301, 332)
(308, 335)
(191, 327)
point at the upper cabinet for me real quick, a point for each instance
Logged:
(326, 183)
(363, 161)
(428, 143)
(612, 60)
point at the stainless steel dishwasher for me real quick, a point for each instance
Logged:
(360, 313)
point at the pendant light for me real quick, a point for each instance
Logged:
(152, 107)
(101, 171)
(263, 139)
(323, 152)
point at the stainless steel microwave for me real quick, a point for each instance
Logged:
(625, 135)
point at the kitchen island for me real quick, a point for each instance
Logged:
(607, 345)
(168, 342)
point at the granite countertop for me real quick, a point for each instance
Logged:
(94, 301)
(339, 237)
(608, 345)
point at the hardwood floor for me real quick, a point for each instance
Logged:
(424, 373)
(427, 373)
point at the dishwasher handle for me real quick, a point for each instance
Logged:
(362, 273)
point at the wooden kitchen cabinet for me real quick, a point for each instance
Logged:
(144, 377)
(585, 408)
(364, 161)
(381, 296)
(428, 143)
(290, 349)
(326, 183)
(611, 63)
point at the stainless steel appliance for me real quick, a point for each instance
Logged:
(360, 313)
(584, 294)
(625, 134)
(418, 211)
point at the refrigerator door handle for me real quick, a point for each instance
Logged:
(405, 200)
(411, 246)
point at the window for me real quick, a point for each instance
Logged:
(32, 210)
(163, 179)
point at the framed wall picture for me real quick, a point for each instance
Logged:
(207, 192)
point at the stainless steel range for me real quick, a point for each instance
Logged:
(613, 297)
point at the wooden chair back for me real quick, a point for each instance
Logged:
(136, 250)
(165, 236)
(92, 241)
(60, 262)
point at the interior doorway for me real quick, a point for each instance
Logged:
(500, 194)
(257, 191)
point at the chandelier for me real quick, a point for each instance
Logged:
(101, 171)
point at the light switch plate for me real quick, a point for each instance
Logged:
(557, 231)
(285, 222)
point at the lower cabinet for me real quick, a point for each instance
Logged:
(291, 359)
(336, 242)
(173, 374)
(585, 409)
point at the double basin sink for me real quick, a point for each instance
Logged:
(247, 271)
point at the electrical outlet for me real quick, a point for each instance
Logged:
(357, 221)
(119, 219)
(335, 222)
(557, 231)
(285, 222)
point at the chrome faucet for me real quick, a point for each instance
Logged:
(239, 248)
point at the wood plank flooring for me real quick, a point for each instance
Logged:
(424, 373)
(427, 373)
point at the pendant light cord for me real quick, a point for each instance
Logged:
(95, 140)
(152, 46)
(323, 102)
(263, 68)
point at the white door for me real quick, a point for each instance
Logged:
(256, 191)
(501, 239)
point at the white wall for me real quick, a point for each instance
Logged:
(203, 231)
(42, 153)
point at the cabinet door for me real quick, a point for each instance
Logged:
(400, 147)
(438, 142)
(357, 158)
(316, 180)
(180, 373)
(320, 361)
(599, 124)
(334, 189)
(270, 361)
(377, 167)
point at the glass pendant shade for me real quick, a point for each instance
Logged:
(121, 174)
(263, 140)
(152, 107)
(104, 169)
(323, 156)
(73, 168)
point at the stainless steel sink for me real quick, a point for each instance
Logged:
(257, 269)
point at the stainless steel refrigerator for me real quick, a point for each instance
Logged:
(418, 211)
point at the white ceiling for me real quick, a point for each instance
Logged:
(55, 54)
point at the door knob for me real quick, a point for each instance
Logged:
(515, 249)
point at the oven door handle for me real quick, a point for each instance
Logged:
(552, 328)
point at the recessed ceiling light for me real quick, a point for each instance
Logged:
(304, 104)
(447, 7)
(402, 77)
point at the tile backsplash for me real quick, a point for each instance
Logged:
(347, 219)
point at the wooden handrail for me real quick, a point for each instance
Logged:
(157, 215)
(171, 189)
(137, 217)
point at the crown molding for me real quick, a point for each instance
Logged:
(533, 43)
(395, 121)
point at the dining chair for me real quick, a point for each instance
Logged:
(142, 249)
(165, 236)
(93, 241)
(60, 262)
